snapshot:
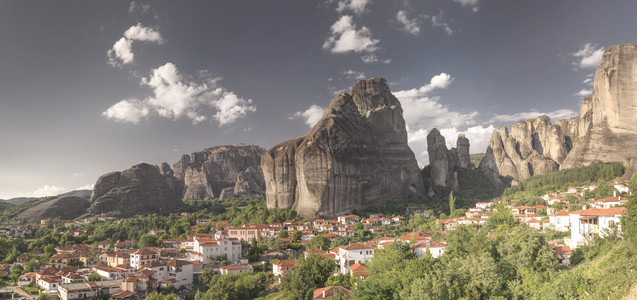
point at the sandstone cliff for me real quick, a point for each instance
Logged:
(443, 162)
(206, 173)
(355, 156)
(605, 130)
(141, 188)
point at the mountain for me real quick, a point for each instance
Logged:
(354, 157)
(444, 163)
(63, 207)
(605, 130)
(18, 200)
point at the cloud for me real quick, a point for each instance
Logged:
(438, 21)
(78, 174)
(372, 58)
(122, 53)
(554, 115)
(175, 97)
(588, 56)
(141, 7)
(473, 4)
(584, 93)
(230, 108)
(588, 81)
(127, 111)
(311, 115)
(356, 6)
(344, 37)
(48, 190)
(409, 26)
(351, 74)
(86, 187)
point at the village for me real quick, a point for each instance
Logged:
(123, 270)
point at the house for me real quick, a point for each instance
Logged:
(609, 202)
(156, 231)
(284, 267)
(533, 224)
(588, 223)
(88, 290)
(331, 292)
(358, 270)
(560, 221)
(207, 249)
(49, 283)
(309, 252)
(563, 254)
(117, 258)
(112, 273)
(26, 279)
(123, 245)
(182, 272)
(58, 261)
(552, 201)
(398, 219)
(353, 254)
(248, 232)
(417, 236)
(140, 282)
(385, 221)
(434, 248)
(103, 245)
(484, 205)
(143, 256)
(235, 268)
(348, 219)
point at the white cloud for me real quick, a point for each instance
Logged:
(409, 26)
(372, 58)
(144, 34)
(588, 81)
(351, 74)
(588, 56)
(554, 115)
(141, 7)
(356, 6)
(175, 97)
(311, 115)
(469, 3)
(78, 174)
(584, 93)
(127, 111)
(344, 37)
(438, 21)
(86, 187)
(48, 190)
(122, 52)
(230, 108)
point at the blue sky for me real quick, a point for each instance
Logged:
(88, 88)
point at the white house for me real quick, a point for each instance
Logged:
(560, 221)
(353, 254)
(181, 272)
(484, 205)
(348, 219)
(588, 223)
(436, 249)
(234, 268)
(221, 246)
(609, 202)
(283, 267)
(142, 257)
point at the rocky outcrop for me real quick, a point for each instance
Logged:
(443, 162)
(62, 207)
(605, 130)
(354, 157)
(141, 188)
(205, 174)
(249, 182)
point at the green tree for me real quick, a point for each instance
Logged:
(148, 240)
(320, 242)
(309, 273)
(284, 234)
(16, 272)
(297, 235)
(157, 296)
(94, 277)
(339, 280)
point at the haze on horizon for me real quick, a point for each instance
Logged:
(90, 88)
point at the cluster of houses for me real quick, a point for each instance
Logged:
(125, 273)
(15, 231)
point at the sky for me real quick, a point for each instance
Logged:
(91, 87)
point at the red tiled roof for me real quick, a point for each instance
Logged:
(329, 292)
(601, 211)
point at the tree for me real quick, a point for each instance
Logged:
(156, 296)
(339, 280)
(320, 242)
(308, 274)
(284, 234)
(16, 272)
(452, 203)
(148, 240)
(297, 235)
(94, 277)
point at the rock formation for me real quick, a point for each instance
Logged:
(355, 156)
(605, 130)
(205, 174)
(63, 207)
(443, 162)
(141, 188)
